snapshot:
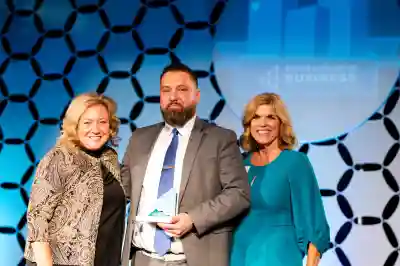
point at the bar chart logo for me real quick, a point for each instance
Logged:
(314, 58)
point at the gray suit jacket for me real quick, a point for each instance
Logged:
(214, 189)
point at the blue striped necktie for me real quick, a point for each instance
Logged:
(162, 242)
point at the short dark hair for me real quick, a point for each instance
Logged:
(180, 67)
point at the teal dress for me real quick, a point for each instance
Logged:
(286, 214)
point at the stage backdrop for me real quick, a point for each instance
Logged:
(335, 63)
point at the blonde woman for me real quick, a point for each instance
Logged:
(286, 220)
(77, 203)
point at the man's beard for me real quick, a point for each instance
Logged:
(178, 118)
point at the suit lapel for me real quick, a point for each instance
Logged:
(145, 147)
(191, 152)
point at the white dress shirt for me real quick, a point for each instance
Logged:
(144, 233)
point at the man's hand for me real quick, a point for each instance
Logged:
(180, 225)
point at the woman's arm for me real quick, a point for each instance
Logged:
(42, 253)
(45, 195)
(313, 255)
(312, 229)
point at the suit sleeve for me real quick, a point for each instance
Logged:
(308, 211)
(235, 195)
(125, 168)
(46, 192)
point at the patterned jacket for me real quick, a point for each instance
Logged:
(66, 202)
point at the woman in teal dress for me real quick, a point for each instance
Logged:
(286, 220)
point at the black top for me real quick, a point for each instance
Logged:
(111, 226)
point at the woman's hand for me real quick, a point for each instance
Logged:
(313, 256)
(42, 254)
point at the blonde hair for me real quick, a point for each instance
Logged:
(287, 138)
(75, 111)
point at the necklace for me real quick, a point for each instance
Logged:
(252, 180)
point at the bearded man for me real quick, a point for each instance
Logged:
(202, 163)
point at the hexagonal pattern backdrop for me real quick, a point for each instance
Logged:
(53, 50)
